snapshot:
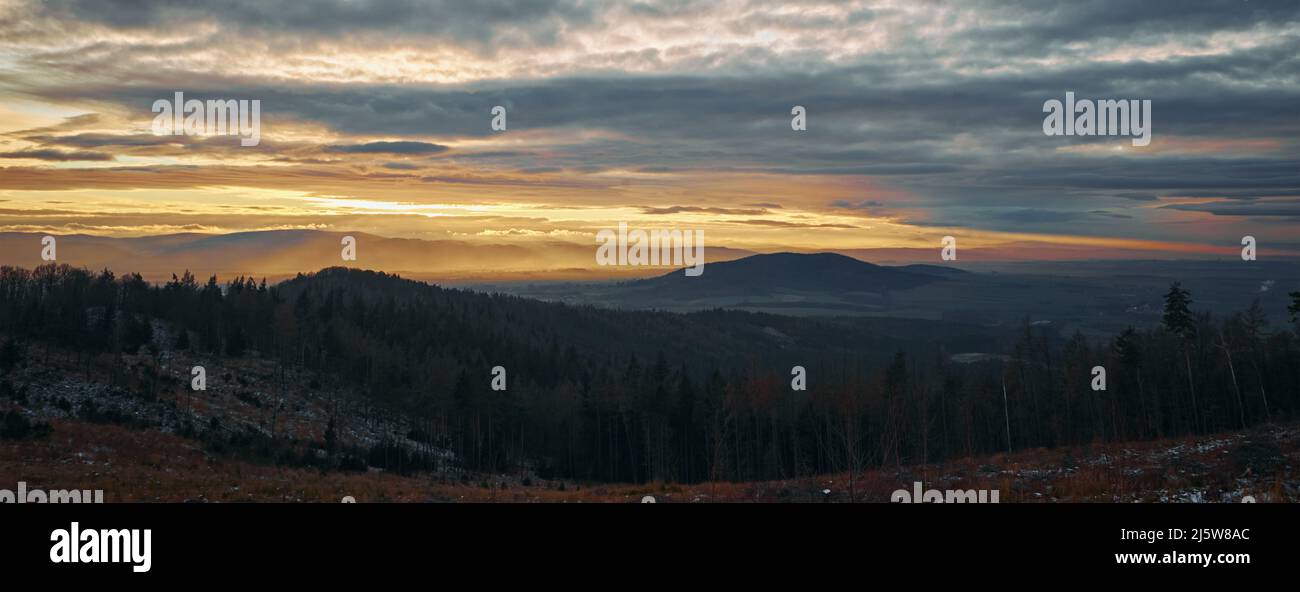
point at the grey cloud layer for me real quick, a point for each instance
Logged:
(951, 118)
(482, 22)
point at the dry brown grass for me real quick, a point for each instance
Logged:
(147, 465)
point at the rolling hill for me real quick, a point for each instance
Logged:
(801, 283)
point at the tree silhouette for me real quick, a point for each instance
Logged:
(1178, 317)
(610, 395)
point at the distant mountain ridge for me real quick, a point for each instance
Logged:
(787, 276)
(279, 254)
(1097, 297)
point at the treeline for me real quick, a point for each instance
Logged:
(637, 396)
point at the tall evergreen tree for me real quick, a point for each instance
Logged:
(1178, 317)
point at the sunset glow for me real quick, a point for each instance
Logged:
(642, 115)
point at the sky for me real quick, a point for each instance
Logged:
(924, 120)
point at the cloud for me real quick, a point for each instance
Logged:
(102, 140)
(528, 23)
(1039, 216)
(58, 155)
(788, 224)
(702, 210)
(865, 204)
(1136, 195)
(1271, 208)
(388, 148)
(934, 106)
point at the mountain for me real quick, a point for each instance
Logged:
(793, 271)
(826, 282)
(1096, 297)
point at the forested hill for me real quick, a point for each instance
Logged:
(391, 333)
(811, 272)
(544, 342)
(642, 395)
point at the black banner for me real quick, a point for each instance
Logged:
(326, 541)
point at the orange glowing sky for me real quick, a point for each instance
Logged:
(924, 121)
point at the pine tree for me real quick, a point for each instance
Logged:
(1178, 315)
(1178, 320)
